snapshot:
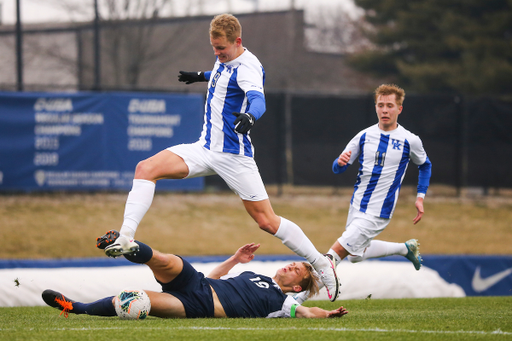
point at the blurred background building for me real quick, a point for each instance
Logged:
(322, 61)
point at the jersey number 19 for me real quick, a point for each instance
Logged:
(260, 283)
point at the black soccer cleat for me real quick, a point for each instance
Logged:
(107, 239)
(57, 300)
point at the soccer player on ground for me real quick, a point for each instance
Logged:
(234, 101)
(383, 151)
(186, 293)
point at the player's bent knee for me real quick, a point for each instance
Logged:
(142, 170)
(267, 227)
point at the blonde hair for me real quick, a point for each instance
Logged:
(225, 25)
(310, 281)
(390, 89)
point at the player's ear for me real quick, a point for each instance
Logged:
(297, 288)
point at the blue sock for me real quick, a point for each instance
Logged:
(143, 256)
(103, 307)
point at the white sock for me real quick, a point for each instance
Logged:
(379, 248)
(294, 238)
(137, 204)
(337, 258)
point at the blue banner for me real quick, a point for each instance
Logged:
(477, 275)
(86, 141)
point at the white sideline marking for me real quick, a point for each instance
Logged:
(378, 330)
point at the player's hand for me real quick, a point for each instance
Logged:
(419, 208)
(337, 312)
(245, 254)
(344, 158)
(191, 77)
(243, 122)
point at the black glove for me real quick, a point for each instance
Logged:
(243, 122)
(191, 77)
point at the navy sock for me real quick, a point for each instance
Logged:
(103, 307)
(143, 256)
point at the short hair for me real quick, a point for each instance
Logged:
(310, 281)
(390, 89)
(225, 25)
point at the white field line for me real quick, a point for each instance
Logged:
(370, 330)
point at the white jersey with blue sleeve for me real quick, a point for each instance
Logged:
(383, 157)
(231, 87)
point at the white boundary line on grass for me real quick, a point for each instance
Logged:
(496, 332)
(378, 330)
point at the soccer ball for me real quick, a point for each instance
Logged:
(132, 305)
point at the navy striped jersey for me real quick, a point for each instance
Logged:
(248, 294)
(383, 157)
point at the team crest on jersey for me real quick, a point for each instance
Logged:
(215, 79)
(396, 144)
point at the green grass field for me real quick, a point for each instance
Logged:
(470, 318)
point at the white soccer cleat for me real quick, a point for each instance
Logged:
(122, 246)
(329, 277)
(413, 253)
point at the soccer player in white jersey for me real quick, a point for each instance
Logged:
(234, 101)
(383, 151)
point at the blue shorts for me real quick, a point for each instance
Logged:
(193, 290)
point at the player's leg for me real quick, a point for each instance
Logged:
(357, 242)
(162, 305)
(165, 305)
(376, 249)
(296, 240)
(165, 266)
(163, 165)
(379, 249)
(102, 307)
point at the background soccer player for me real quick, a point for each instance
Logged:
(383, 151)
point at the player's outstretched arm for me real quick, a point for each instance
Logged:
(192, 77)
(315, 312)
(243, 255)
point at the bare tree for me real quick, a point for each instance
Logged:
(130, 41)
(332, 29)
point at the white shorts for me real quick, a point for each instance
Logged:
(240, 172)
(360, 230)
